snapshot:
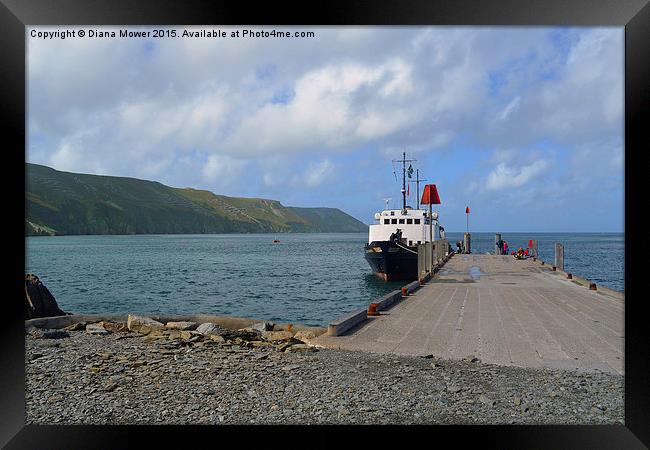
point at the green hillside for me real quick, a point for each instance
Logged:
(329, 220)
(65, 203)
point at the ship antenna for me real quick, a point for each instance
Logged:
(387, 200)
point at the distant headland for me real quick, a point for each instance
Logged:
(66, 203)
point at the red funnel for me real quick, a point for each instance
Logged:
(430, 195)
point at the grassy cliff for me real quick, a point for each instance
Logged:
(60, 203)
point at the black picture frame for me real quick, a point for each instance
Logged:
(634, 15)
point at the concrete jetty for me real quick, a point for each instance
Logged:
(502, 311)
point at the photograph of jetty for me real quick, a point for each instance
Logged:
(233, 225)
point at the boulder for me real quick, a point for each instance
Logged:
(38, 333)
(143, 325)
(39, 302)
(183, 326)
(246, 334)
(300, 348)
(263, 326)
(76, 326)
(305, 336)
(284, 346)
(115, 327)
(96, 328)
(209, 328)
(55, 334)
(174, 334)
(277, 335)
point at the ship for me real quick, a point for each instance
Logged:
(392, 248)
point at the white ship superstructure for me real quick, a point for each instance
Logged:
(413, 223)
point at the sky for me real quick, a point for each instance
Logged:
(522, 124)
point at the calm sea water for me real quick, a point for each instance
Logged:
(307, 278)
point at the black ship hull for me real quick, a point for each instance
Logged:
(390, 261)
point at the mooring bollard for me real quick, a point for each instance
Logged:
(554, 269)
(592, 286)
(559, 255)
(569, 276)
(405, 292)
(467, 242)
(372, 309)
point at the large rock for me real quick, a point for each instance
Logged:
(296, 348)
(209, 328)
(277, 335)
(39, 302)
(143, 325)
(305, 336)
(114, 327)
(39, 333)
(183, 326)
(78, 326)
(263, 326)
(96, 328)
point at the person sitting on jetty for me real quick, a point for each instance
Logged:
(520, 253)
(459, 247)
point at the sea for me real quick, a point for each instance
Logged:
(306, 279)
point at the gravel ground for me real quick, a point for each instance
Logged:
(120, 378)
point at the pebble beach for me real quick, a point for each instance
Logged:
(82, 375)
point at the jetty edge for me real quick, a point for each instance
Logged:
(349, 321)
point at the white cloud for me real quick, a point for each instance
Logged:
(316, 174)
(319, 173)
(137, 108)
(223, 169)
(510, 108)
(504, 176)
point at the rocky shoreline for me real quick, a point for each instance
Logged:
(147, 372)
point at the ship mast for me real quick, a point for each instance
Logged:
(417, 184)
(404, 180)
(404, 161)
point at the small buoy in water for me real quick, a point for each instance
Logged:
(275, 241)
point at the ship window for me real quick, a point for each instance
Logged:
(409, 221)
(386, 221)
(419, 242)
(417, 221)
(392, 213)
(394, 221)
(410, 243)
(401, 221)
